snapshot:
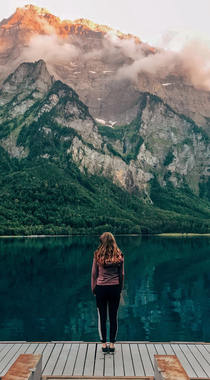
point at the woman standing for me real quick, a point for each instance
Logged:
(107, 283)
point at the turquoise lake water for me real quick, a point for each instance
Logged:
(45, 290)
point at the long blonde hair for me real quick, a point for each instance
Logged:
(108, 251)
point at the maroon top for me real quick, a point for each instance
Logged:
(107, 275)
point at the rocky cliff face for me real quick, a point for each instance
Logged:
(30, 94)
(88, 57)
(27, 78)
(41, 117)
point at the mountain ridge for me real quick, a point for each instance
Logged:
(25, 16)
(161, 173)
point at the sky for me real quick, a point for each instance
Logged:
(154, 21)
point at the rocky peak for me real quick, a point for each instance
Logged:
(34, 18)
(104, 29)
(34, 76)
(36, 9)
(30, 19)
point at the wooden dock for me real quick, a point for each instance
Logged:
(86, 359)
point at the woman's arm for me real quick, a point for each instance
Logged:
(121, 275)
(94, 275)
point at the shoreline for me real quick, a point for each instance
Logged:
(190, 234)
(163, 234)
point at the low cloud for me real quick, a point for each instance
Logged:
(195, 64)
(50, 48)
(176, 54)
(129, 47)
(112, 45)
(180, 51)
(192, 61)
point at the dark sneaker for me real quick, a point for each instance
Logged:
(111, 350)
(105, 350)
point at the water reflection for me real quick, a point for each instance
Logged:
(45, 289)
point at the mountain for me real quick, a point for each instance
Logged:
(61, 172)
(99, 130)
(102, 66)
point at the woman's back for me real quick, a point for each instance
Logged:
(108, 274)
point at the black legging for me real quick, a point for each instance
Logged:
(107, 294)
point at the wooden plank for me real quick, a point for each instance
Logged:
(127, 360)
(207, 347)
(99, 363)
(168, 349)
(192, 360)
(14, 341)
(90, 359)
(2, 345)
(5, 350)
(39, 350)
(137, 363)
(52, 360)
(32, 347)
(199, 357)
(20, 369)
(21, 350)
(168, 367)
(118, 361)
(204, 352)
(69, 367)
(183, 360)
(147, 365)
(160, 349)
(46, 354)
(8, 357)
(109, 365)
(80, 361)
(151, 351)
(60, 365)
